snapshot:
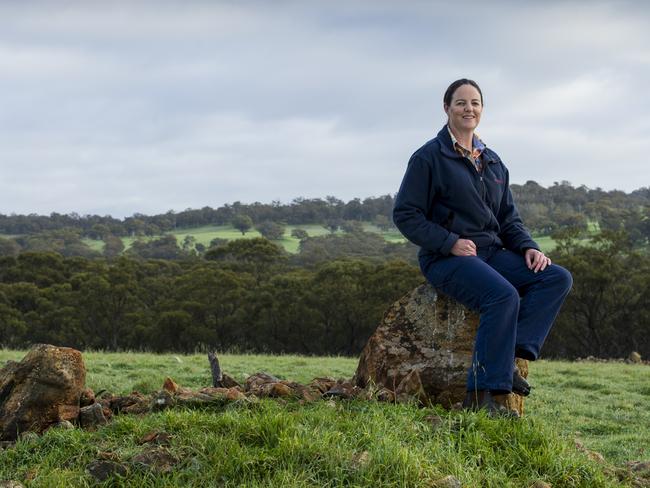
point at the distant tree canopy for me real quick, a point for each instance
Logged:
(271, 230)
(544, 211)
(250, 295)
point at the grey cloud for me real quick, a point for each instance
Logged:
(142, 107)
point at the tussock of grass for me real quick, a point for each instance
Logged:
(271, 444)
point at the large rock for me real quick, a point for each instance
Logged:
(41, 390)
(423, 348)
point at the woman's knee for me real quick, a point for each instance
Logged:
(561, 277)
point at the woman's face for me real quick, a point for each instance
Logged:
(465, 110)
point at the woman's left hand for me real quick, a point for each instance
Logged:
(535, 260)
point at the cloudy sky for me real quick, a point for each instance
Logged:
(116, 108)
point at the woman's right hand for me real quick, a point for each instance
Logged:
(463, 247)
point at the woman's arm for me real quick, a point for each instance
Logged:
(412, 202)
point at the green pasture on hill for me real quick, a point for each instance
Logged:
(205, 234)
(278, 443)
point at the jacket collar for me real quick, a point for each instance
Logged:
(447, 147)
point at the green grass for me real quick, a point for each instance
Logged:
(349, 443)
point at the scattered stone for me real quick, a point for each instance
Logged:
(540, 484)
(161, 401)
(108, 456)
(228, 381)
(423, 346)
(257, 380)
(87, 397)
(635, 357)
(136, 402)
(344, 389)
(157, 459)
(64, 424)
(322, 384)
(170, 385)
(92, 416)
(41, 390)
(102, 470)
(385, 395)
(447, 482)
(411, 388)
(157, 438)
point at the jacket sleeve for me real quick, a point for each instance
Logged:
(513, 233)
(412, 202)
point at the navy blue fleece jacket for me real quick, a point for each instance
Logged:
(443, 198)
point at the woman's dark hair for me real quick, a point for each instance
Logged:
(455, 85)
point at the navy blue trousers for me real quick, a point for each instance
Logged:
(517, 307)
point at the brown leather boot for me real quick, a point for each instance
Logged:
(483, 400)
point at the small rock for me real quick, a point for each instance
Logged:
(385, 395)
(540, 484)
(64, 424)
(447, 482)
(322, 384)
(170, 385)
(128, 403)
(159, 438)
(102, 470)
(87, 397)
(11, 484)
(161, 401)
(92, 416)
(635, 357)
(258, 379)
(228, 381)
(157, 459)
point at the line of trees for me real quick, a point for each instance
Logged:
(249, 295)
(545, 210)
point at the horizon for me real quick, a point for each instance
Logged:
(289, 202)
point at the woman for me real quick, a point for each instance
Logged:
(455, 203)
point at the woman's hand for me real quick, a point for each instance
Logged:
(463, 247)
(535, 260)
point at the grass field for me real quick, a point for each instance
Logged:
(205, 234)
(350, 443)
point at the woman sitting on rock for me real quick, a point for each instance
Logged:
(455, 203)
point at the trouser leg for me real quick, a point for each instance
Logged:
(542, 295)
(475, 284)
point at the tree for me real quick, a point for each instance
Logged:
(299, 234)
(113, 246)
(352, 226)
(242, 223)
(8, 247)
(273, 231)
(164, 248)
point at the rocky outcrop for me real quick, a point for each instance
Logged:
(423, 349)
(41, 390)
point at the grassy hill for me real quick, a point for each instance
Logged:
(350, 443)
